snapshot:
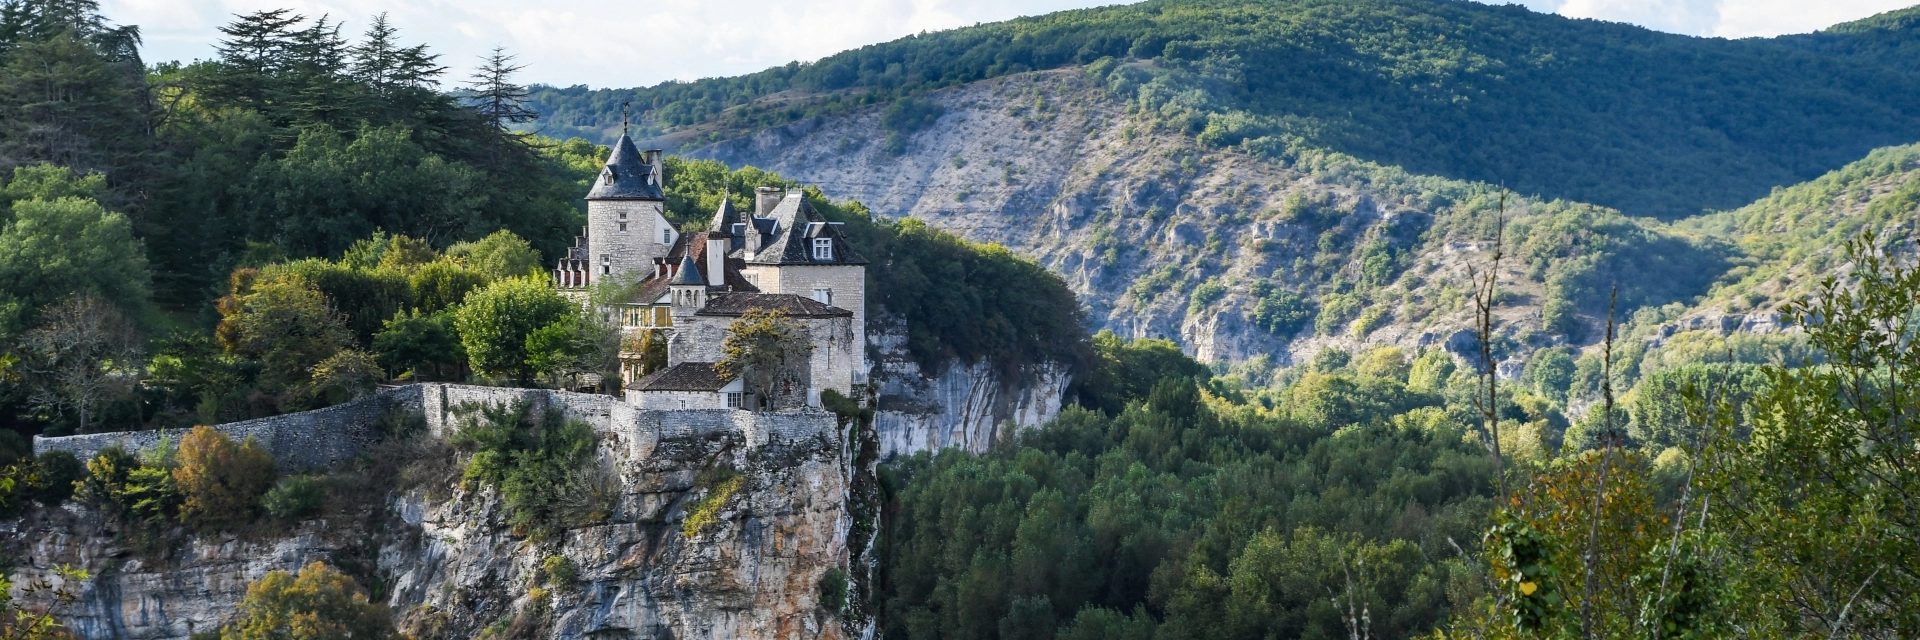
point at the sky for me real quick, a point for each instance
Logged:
(610, 43)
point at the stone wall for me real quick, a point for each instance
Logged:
(307, 440)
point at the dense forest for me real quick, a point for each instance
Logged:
(1649, 123)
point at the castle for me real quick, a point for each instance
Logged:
(689, 289)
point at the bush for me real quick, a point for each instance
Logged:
(833, 590)
(220, 482)
(560, 570)
(128, 489)
(320, 604)
(295, 497)
(543, 464)
(1281, 313)
(59, 471)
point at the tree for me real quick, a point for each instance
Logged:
(387, 68)
(493, 93)
(769, 352)
(319, 604)
(571, 347)
(495, 321)
(287, 325)
(1822, 500)
(21, 623)
(331, 190)
(55, 249)
(84, 354)
(501, 254)
(418, 345)
(220, 482)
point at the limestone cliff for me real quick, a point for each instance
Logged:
(1163, 236)
(966, 406)
(441, 554)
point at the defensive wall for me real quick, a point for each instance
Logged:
(324, 437)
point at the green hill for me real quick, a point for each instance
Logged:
(1612, 114)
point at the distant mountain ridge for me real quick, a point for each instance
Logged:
(1649, 123)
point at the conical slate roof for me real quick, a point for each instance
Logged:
(627, 176)
(689, 272)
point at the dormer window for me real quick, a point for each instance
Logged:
(666, 236)
(823, 248)
(606, 176)
(739, 230)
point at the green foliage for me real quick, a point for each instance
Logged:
(495, 322)
(833, 590)
(1205, 295)
(1335, 310)
(1549, 373)
(1821, 494)
(420, 345)
(706, 513)
(294, 498)
(542, 464)
(1278, 311)
(560, 570)
(498, 256)
(768, 352)
(331, 189)
(571, 347)
(54, 249)
(1124, 371)
(1204, 518)
(135, 492)
(319, 604)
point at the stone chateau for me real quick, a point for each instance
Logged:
(688, 289)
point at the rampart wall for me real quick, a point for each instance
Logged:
(325, 437)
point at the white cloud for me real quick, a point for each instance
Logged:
(597, 42)
(606, 43)
(1722, 18)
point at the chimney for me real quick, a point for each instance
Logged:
(716, 260)
(659, 174)
(765, 199)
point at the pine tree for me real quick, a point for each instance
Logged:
(258, 46)
(495, 96)
(386, 68)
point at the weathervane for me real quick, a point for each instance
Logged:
(623, 117)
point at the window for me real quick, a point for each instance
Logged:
(753, 279)
(623, 226)
(666, 236)
(823, 248)
(735, 399)
(823, 295)
(606, 264)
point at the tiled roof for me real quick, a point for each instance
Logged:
(795, 226)
(627, 176)
(652, 288)
(686, 376)
(738, 304)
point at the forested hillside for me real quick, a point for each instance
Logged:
(1649, 123)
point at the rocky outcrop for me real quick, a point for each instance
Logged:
(441, 554)
(966, 406)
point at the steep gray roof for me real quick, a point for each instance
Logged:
(738, 304)
(795, 226)
(686, 376)
(689, 273)
(627, 176)
(723, 219)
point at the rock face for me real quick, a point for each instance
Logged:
(971, 407)
(1134, 218)
(442, 555)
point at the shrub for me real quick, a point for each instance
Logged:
(295, 497)
(1370, 319)
(59, 471)
(138, 493)
(1281, 313)
(560, 570)
(543, 464)
(833, 590)
(220, 482)
(319, 604)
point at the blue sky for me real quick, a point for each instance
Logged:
(605, 43)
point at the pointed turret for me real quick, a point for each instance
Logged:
(629, 174)
(689, 273)
(723, 219)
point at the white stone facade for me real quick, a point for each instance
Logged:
(625, 236)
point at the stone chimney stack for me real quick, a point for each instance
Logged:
(765, 199)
